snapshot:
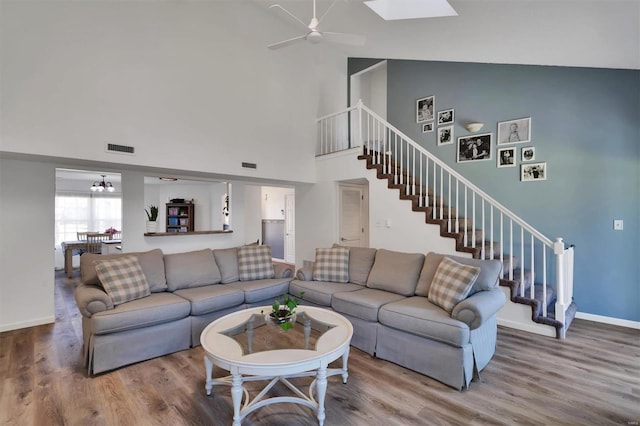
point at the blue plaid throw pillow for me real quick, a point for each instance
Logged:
(451, 283)
(123, 279)
(254, 263)
(332, 264)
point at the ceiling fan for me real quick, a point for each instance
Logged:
(313, 34)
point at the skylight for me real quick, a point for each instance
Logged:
(391, 10)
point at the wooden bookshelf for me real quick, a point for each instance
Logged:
(180, 218)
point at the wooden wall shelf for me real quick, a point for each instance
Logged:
(180, 234)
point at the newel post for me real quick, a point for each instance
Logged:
(558, 250)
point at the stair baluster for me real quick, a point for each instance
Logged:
(460, 209)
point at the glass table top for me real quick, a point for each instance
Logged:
(261, 333)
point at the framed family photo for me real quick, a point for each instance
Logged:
(424, 109)
(528, 153)
(533, 171)
(446, 116)
(445, 135)
(427, 127)
(474, 147)
(507, 157)
(514, 131)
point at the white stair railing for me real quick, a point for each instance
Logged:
(489, 229)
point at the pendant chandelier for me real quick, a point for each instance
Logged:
(102, 186)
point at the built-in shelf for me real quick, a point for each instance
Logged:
(180, 234)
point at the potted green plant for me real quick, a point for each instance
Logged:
(283, 312)
(152, 216)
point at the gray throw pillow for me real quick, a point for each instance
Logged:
(395, 272)
(191, 269)
(227, 260)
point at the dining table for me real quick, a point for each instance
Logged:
(80, 246)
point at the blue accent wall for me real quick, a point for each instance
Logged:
(585, 126)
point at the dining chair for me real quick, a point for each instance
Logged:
(94, 242)
(81, 236)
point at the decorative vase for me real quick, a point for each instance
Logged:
(152, 226)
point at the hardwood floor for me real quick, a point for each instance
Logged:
(591, 378)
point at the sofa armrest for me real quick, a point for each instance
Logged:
(305, 273)
(92, 299)
(282, 271)
(479, 307)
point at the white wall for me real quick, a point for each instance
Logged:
(252, 213)
(317, 212)
(26, 244)
(273, 202)
(182, 82)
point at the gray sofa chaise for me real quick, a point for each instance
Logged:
(186, 291)
(394, 301)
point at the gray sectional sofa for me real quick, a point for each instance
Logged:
(386, 295)
(187, 292)
(387, 299)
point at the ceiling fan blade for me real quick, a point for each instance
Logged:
(327, 11)
(289, 14)
(286, 43)
(343, 38)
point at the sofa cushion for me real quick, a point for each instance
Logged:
(151, 262)
(395, 271)
(191, 269)
(319, 292)
(255, 263)
(211, 298)
(360, 263)
(363, 303)
(261, 290)
(416, 315)
(451, 283)
(227, 261)
(487, 279)
(122, 279)
(157, 308)
(331, 264)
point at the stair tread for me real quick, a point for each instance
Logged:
(423, 200)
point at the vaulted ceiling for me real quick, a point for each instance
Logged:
(590, 33)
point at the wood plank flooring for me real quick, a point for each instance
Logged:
(591, 378)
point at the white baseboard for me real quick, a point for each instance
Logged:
(532, 327)
(608, 320)
(25, 324)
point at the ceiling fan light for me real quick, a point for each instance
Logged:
(314, 37)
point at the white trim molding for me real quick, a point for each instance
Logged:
(26, 324)
(608, 320)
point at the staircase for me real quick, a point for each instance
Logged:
(537, 272)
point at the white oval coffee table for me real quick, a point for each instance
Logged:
(251, 348)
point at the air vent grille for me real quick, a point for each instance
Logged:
(121, 149)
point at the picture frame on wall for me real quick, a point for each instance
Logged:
(507, 157)
(533, 171)
(424, 109)
(528, 153)
(446, 116)
(474, 147)
(514, 131)
(427, 127)
(445, 135)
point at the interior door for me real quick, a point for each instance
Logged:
(353, 226)
(289, 229)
